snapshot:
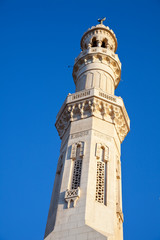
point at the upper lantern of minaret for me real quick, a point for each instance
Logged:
(97, 66)
(99, 36)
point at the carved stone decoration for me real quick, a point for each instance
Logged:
(74, 149)
(81, 153)
(98, 149)
(118, 207)
(106, 154)
(90, 58)
(118, 169)
(93, 106)
(100, 182)
(119, 213)
(76, 179)
(72, 195)
(77, 153)
(100, 146)
(91, 123)
(99, 32)
(102, 155)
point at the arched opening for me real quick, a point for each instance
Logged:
(76, 176)
(101, 177)
(94, 42)
(104, 43)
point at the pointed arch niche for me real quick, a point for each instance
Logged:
(102, 155)
(73, 193)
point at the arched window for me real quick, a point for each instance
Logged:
(101, 177)
(104, 43)
(76, 178)
(73, 193)
(77, 153)
(94, 42)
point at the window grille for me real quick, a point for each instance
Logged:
(100, 182)
(101, 177)
(76, 178)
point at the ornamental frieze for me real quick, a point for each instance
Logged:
(93, 106)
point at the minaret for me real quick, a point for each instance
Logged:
(86, 201)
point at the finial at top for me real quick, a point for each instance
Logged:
(101, 20)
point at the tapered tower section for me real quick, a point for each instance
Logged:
(86, 201)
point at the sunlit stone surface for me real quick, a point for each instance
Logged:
(86, 201)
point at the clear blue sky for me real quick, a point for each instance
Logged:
(38, 40)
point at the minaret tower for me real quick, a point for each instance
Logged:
(86, 201)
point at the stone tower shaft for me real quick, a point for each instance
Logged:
(86, 201)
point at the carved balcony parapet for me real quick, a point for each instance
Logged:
(96, 50)
(103, 56)
(94, 106)
(72, 195)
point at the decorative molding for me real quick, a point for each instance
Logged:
(105, 58)
(72, 195)
(119, 213)
(100, 182)
(118, 176)
(118, 168)
(79, 134)
(93, 106)
(120, 123)
(99, 32)
(100, 51)
(102, 155)
(101, 94)
(100, 146)
(76, 177)
(80, 95)
(74, 149)
(102, 135)
(77, 153)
